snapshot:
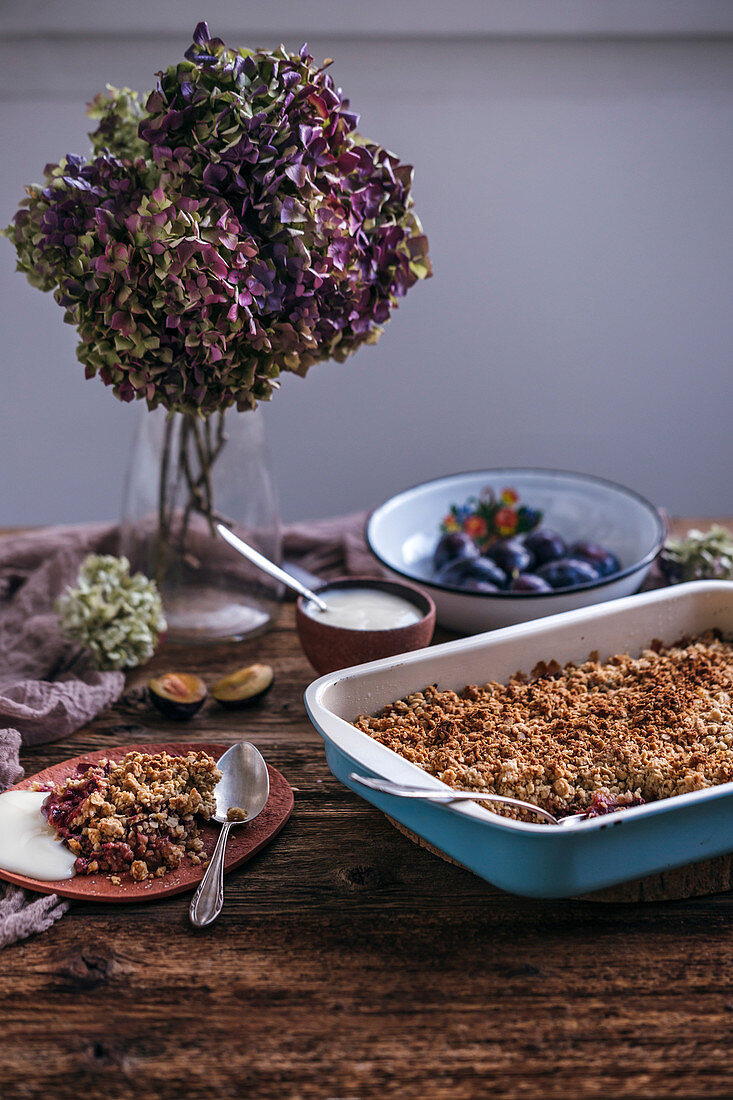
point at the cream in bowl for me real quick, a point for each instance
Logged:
(366, 618)
(364, 609)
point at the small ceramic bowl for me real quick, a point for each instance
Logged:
(329, 647)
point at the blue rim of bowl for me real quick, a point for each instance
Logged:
(602, 582)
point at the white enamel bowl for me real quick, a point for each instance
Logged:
(402, 534)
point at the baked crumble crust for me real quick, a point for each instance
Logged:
(135, 815)
(236, 814)
(634, 729)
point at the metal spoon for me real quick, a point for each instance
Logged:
(386, 786)
(268, 566)
(245, 783)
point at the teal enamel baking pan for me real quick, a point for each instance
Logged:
(535, 860)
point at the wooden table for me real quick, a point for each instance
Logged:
(349, 963)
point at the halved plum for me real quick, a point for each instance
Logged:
(244, 687)
(177, 695)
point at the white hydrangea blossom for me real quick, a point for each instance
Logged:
(117, 617)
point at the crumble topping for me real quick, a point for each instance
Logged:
(236, 813)
(595, 735)
(137, 815)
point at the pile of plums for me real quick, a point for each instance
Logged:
(538, 562)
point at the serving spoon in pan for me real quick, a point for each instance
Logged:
(429, 794)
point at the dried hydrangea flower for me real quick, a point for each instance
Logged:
(701, 555)
(119, 111)
(233, 228)
(118, 617)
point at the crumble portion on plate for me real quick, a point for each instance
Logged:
(137, 815)
(593, 736)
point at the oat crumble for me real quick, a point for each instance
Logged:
(236, 813)
(584, 736)
(136, 815)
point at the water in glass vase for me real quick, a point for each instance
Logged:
(186, 474)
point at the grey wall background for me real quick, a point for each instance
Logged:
(573, 170)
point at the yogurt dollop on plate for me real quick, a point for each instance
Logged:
(28, 844)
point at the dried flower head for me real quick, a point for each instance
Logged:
(701, 555)
(235, 227)
(117, 617)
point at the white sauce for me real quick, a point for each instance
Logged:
(364, 609)
(28, 844)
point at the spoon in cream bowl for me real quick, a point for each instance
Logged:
(348, 620)
(241, 794)
(268, 566)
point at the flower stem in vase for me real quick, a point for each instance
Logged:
(197, 471)
(198, 449)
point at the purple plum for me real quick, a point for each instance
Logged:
(567, 572)
(545, 545)
(454, 546)
(511, 555)
(460, 573)
(599, 557)
(529, 582)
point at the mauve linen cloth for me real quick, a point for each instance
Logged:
(47, 689)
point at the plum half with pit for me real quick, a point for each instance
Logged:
(567, 572)
(599, 557)
(177, 695)
(512, 556)
(545, 545)
(468, 571)
(454, 546)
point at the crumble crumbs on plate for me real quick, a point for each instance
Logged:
(236, 813)
(137, 815)
(593, 736)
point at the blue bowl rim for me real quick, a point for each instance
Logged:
(602, 582)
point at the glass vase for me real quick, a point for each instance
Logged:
(185, 475)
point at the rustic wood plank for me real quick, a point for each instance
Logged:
(350, 963)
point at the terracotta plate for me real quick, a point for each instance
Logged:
(244, 840)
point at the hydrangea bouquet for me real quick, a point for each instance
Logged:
(117, 616)
(231, 226)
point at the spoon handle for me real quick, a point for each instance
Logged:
(429, 794)
(268, 566)
(208, 900)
